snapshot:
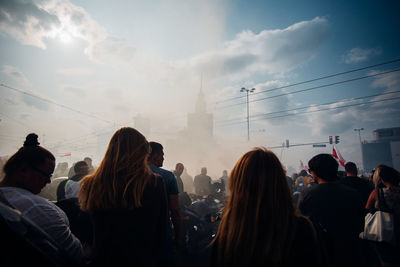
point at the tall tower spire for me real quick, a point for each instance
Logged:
(201, 102)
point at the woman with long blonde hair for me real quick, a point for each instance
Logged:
(127, 204)
(386, 195)
(260, 226)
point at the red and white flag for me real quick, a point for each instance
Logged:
(66, 155)
(303, 166)
(336, 154)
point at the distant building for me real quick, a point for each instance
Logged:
(384, 149)
(194, 145)
(200, 123)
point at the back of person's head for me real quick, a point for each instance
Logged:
(156, 148)
(81, 167)
(88, 160)
(204, 170)
(351, 168)
(257, 225)
(224, 173)
(324, 166)
(386, 174)
(30, 154)
(303, 173)
(122, 175)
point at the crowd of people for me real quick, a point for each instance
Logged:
(129, 211)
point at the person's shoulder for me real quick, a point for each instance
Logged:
(156, 179)
(21, 193)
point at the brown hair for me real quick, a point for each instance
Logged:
(123, 173)
(258, 224)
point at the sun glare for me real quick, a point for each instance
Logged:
(65, 37)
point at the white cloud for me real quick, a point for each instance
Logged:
(32, 22)
(358, 55)
(270, 51)
(340, 120)
(27, 22)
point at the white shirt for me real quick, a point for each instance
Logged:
(47, 216)
(72, 189)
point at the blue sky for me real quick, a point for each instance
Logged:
(103, 63)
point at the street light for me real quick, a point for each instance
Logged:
(359, 132)
(247, 95)
(359, 135)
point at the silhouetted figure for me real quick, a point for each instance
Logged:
(224, 179)
(260, 226)
(387, 184)
(156, 160)
(336, 211)
(89, 163)
(127, 205)
(26, 173)
(202, 183)
(70, 188)
(178, 172)
(352, 180)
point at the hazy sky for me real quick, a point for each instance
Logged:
(94, 65)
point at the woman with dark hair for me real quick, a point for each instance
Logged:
(127, 204)
(387, 192)
(26, 173)
(260, 226)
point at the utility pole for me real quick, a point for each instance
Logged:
(248, 117)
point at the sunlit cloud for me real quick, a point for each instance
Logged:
(32, 23)
(270, 51)
(358, 55)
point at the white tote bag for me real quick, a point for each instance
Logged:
(379, 227)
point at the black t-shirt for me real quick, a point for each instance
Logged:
(136, 237)
(339, 211)
(361, 185)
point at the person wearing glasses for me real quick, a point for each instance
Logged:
(26, 173)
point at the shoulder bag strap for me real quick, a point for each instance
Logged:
(381, 200)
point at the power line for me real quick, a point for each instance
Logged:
(54, 103)
(313, 80)
(314, 111)
(324, 104)
(315, 87)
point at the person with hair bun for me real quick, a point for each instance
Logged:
(26, 173)
(127, 204)
(260, 225)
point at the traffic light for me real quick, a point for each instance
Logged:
(330, 140)
(337, 139)
(287, 143)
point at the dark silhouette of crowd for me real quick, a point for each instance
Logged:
(129, 211)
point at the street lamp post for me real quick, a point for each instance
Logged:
(248, 121)
(359, 132)
(359, 135)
